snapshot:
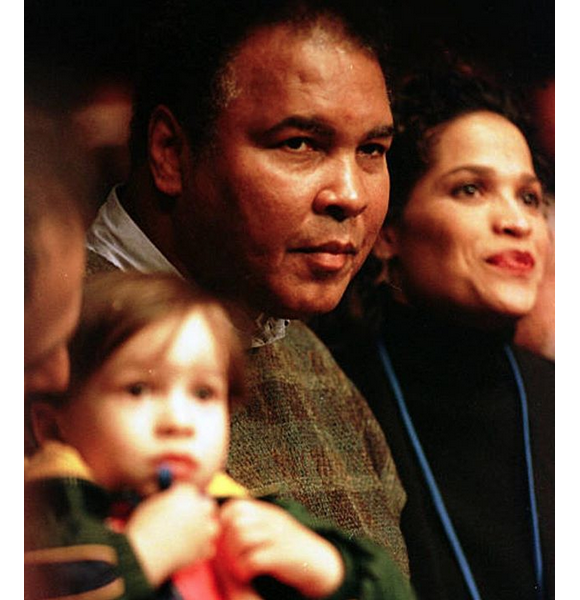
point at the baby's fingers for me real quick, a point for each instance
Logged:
(251, 562)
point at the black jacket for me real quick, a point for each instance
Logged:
(462, 397)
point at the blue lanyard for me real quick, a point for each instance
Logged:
(434, 488)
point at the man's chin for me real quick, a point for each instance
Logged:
(309, 307)
(301, 300)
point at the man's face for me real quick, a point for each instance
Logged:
(52, 311)
(284, 208)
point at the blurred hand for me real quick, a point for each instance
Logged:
(173, 529)
(258, 538)
(233, 588)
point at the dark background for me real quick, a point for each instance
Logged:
(84, 53)
(86, 39)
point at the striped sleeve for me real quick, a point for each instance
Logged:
(83, 572)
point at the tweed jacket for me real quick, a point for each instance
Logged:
(307, 434)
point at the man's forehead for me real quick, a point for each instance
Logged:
(262, 52)
(313, 91)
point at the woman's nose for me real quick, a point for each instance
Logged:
(512, 218)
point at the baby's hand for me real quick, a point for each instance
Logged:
(231, 586)
(172, 529)
(262, 539)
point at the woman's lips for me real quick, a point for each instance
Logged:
(514, 261)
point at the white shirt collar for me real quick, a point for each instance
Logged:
(117, 238)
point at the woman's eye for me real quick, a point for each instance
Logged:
(466, 189)
(532, 199)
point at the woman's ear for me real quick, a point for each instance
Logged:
(166, 145)
(386, 246)
(387, 250)
(44, 419)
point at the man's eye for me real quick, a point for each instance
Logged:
(373, 150)
(297, 144)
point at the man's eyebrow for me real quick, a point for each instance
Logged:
(305, 124)
(382, 131)
(321, 128)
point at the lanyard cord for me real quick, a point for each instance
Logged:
(530, 472)
(434, 488)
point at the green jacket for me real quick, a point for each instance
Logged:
(70, 550)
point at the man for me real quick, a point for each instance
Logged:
(258, 147)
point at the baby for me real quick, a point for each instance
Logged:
(121, 496)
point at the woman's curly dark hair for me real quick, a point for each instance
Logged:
(426, 100)
(421, 102)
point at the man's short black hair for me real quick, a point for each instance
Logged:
(190, 43)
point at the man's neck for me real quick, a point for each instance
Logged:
(152, 214)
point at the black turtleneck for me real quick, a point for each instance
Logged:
(462, 397)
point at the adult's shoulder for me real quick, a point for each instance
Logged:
(302, 337)
(299, 355)
(313, 351)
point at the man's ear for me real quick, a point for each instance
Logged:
(44, 421)
(166, 140)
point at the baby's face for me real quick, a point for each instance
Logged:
(161, 400)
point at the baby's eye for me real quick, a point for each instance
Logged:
(137, 389)
(203, 392)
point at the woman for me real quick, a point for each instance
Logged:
(463, 251)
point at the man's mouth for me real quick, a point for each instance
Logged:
(328, 257)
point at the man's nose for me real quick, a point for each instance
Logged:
(342, 195)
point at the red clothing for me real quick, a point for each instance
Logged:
(198, 582)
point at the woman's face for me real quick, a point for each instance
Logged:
(473, 235)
